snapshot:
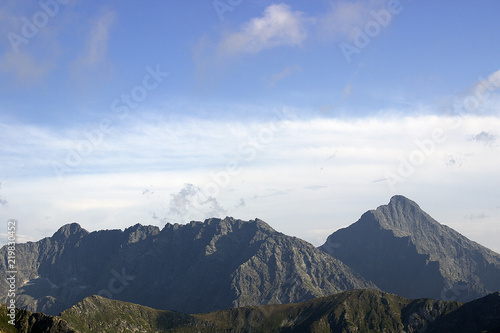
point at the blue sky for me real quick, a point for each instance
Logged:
(303, 114)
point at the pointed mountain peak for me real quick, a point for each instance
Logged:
(401, 200)
(263, 225)
(403, 214)
(69, 229)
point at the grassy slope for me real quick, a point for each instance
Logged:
(351, 311)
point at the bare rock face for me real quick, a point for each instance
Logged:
(198, 267)
(405, 251)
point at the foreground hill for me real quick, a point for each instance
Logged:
(405, 251)
(198, 267)
(350, 311)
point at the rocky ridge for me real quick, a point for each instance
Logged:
(197, 267)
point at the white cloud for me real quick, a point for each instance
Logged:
(279, 26)
(286, 176)
(282, 26)
(191, 203)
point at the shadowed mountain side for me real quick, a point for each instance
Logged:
(405, 251)
(350, 311)
(198, 267)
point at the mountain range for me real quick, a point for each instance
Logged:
(198, 267)
(349, 311)
(202, 267)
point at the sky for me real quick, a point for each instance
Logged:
(304, 114)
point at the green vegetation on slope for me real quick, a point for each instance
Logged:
(350, 311)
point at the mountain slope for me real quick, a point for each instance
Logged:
(99, 314)
(405, 251)
(198, 267)
(350, 311)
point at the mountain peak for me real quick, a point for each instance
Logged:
(140, 232)
(404, 215)
(69, 229)
(401, 200)
(405, 251)
(402, 204)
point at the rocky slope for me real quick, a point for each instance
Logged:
(350, 311)
(405, 251)
(198, 267)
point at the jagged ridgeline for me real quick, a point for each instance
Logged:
(218, 264)
(198, 267)
(351, 311)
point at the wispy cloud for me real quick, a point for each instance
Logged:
(26, 68)
(26, 59)
(277, 77)
(315, 187)
(484, 138)
(455, 160)
(278, 26)
(96, 45)
(480, 98)
(473, 217)
(485, 86)
(340, 20)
